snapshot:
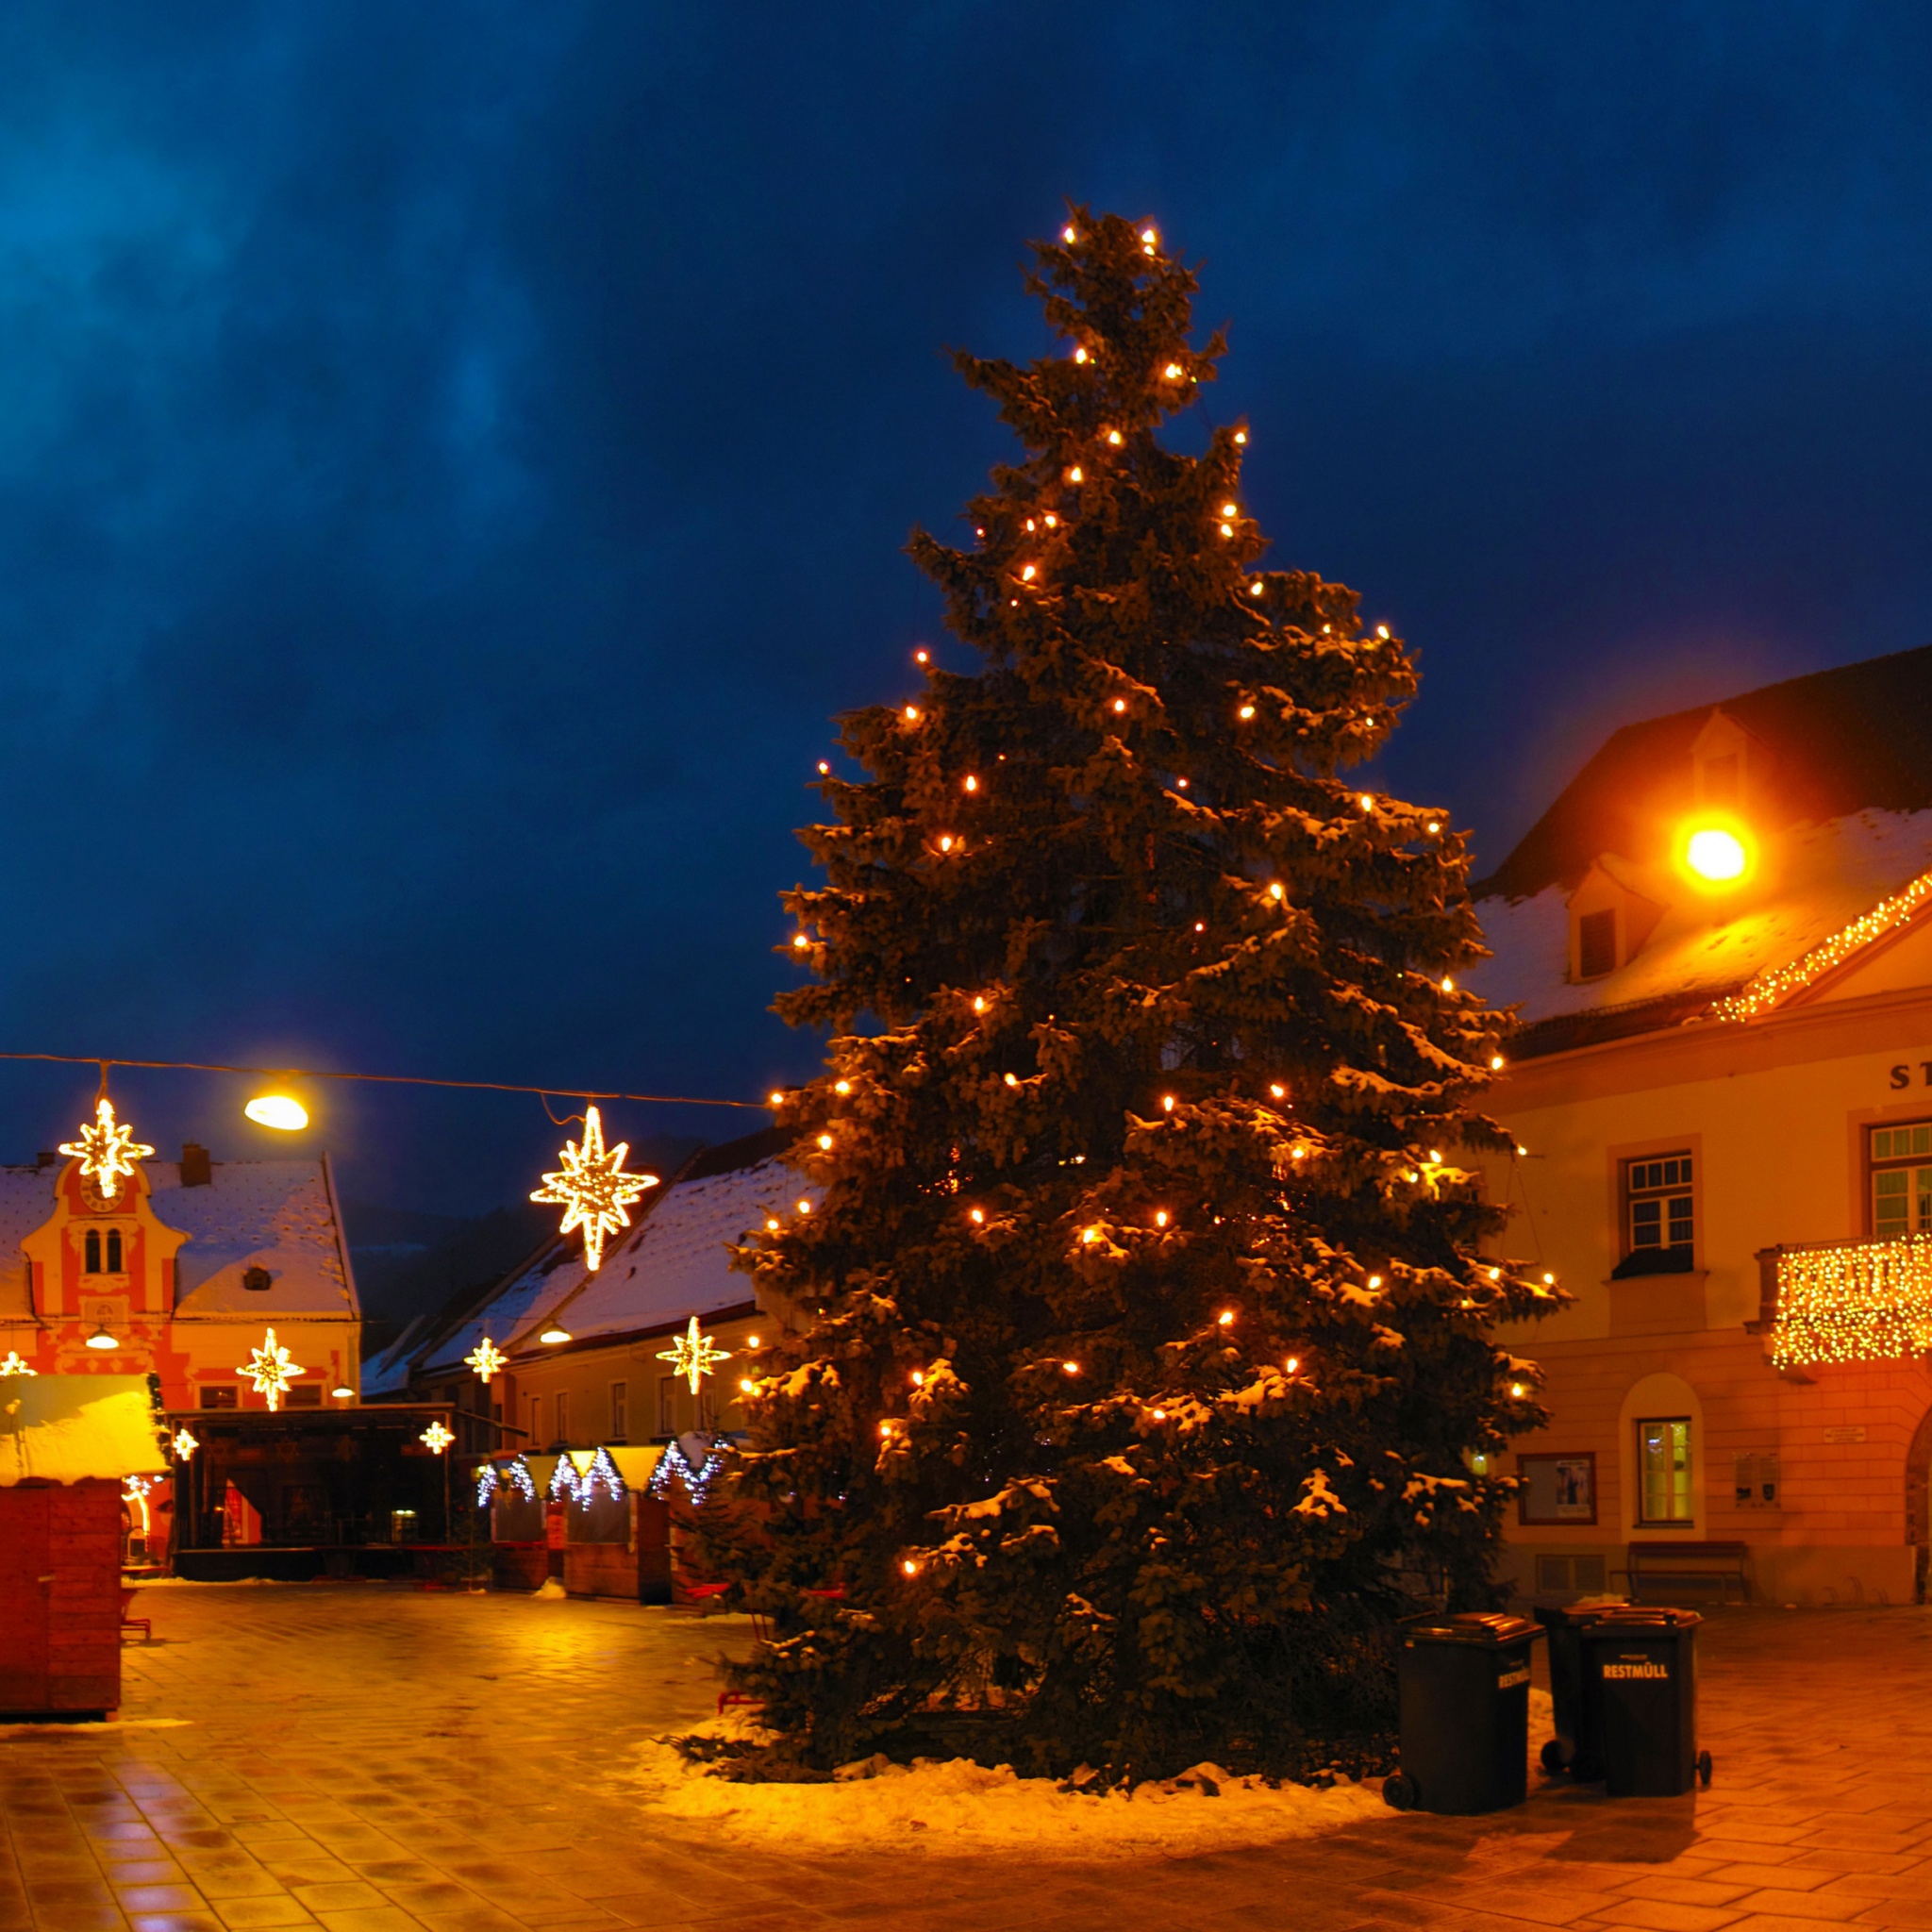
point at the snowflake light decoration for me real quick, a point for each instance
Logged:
(184, 1444)
(593, 1189)
(13, 1365)
(486, 1359)
(692, 1356)
(106, 1151)
(438, 1438)
(270, 1368)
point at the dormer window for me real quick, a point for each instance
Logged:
(1610, 920)
(92, 1250)
(1727, 764)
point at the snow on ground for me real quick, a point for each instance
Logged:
(955, 1805)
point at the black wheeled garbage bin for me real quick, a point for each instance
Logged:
(1576, 1747)
(1640, 1669)
(1465, 1713)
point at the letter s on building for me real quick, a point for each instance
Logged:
(1900, 1077)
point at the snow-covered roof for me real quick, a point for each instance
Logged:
(277, 1215)
(67, 1429)
(1812, 880)
(675, 1262)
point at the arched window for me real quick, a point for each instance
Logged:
(113, 1251)
(92, 1251)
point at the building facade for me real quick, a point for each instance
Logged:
(1720, 941)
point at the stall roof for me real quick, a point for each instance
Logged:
(68, 1428)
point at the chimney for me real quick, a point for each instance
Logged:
(44, 1158)
(195, 1169)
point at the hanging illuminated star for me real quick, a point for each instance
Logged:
(486, 1359)
(106, 1150)
(14, 1366)
(592, 1184)
(184, 1444)
(692, 1356)
(270, 1368)
(438, 1438)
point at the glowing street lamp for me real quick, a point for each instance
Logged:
(282, 1112)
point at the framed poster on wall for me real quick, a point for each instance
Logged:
(1556, 1488)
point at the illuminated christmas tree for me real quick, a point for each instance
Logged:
(1146, 1370)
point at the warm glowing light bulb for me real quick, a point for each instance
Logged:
(946, 843)
(909, 1567)
(1374, 1281)
(1089, 1235)
(1516, 1390)
(1367, 802)
(1079, 354)
(1167, 1102)
(1161, 1217)
(344, 1393)
(1448, 984)
(842, 1086)
(1028, 573)
(919, 1379)
(1228, 529)
(1113, 435)
(282, 1112)
(804, 1207)
(1255, 588)
(825, 1143)
(1435, 825)
(1294, 1361)
(1120, 704)
(1382, 630)
(824, 767)
(912, 714)
(771, 1223)
(1225, 1317)
(1076, 475)
(778, 1098)
(1495, 1063)
(552, 1334)
(1160, 1415)
(1245, 712)
(101, 1339)
(1241, 435)
(1275, 891)
(1279, 1092)
(799, 942)
(1068, 235)
(751, 1342)
(1716, 854)
(746, 1384)
(1012, 1079)
(1229, 509)
(978, 1003)
(1172, 371)
(970, 783)
(978, 1216)
(1071, 1368)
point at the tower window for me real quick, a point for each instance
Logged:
(113, 1251)
(91, 1249)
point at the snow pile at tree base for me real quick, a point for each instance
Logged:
(955, 1805)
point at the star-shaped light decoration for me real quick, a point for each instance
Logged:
(486, 1359)
(106, 1151)
(438, 1438)
(184, 1444)
(270, 1368)
(13, 1365)
(593, 1185)
(692, 1356)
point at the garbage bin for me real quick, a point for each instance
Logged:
(1641, 1672)
(1464, 1684)
(1576, 1747)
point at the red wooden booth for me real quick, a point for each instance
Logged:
(67, 1445)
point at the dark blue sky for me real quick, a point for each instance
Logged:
(454, 460)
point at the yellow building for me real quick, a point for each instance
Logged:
(1719, 940)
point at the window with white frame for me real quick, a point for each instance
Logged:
(1900, 1160)
(1659, 1216)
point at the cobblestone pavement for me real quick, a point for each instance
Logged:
(373, 1759)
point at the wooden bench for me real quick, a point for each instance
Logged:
(1719, 1564)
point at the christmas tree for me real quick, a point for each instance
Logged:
(1143, 1370)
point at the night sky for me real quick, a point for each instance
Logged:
(455, 459)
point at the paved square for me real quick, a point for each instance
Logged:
(372, 1759)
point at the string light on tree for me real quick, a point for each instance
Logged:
(593, 1189)
(270, 1368)
(106, 1150)
(692, 1355)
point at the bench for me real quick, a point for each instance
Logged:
(1719, 1564)
(145, 1625)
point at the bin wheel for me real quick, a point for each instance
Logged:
(1703, 1768)
(1555, 1756)
(1400, 1791)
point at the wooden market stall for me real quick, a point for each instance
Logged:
(68, 1444)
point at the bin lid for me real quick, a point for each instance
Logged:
(1471, 1626)
(1576, 1616)
(1629, 1619)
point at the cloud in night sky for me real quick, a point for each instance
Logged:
(454, 461)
